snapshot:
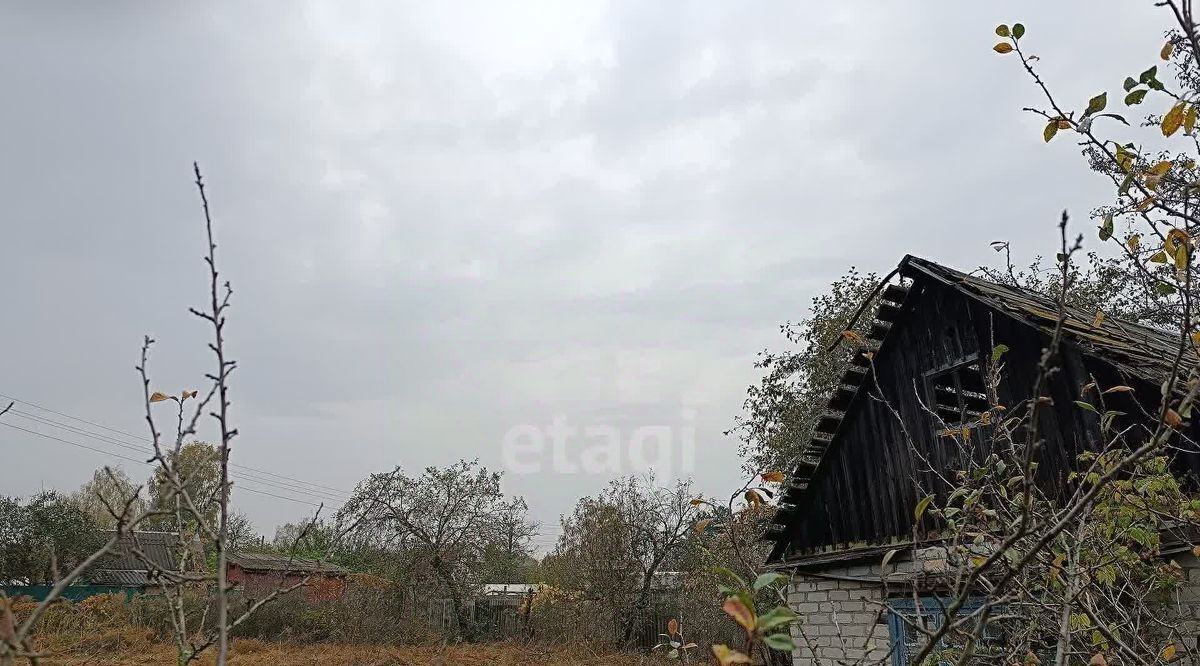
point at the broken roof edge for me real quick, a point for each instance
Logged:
(1106, 350)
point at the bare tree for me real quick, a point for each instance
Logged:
(179, 499)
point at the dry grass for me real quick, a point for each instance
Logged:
(133, 647)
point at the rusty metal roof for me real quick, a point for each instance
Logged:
(1135, 349)
(268, 562)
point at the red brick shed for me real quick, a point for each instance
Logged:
(259, 574)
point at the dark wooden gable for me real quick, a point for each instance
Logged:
(858, 485)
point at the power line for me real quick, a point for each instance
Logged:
(147, 443)
(143, 462)
(148, 449)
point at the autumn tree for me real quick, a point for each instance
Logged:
(614, 543)
(446, 516)
(44, 536)
(781, 411)
(109, 487)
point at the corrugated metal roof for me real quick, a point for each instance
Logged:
(268, 562)
(121, 577)
(123, 566)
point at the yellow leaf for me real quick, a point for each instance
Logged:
(736, 609)
(1167, 50)
(701, 525)
(1181, 257)
(726, 656)
(1174, 119)
(158, 397)
(773, 477)
(1003, 47)
(696, 502)
(1002, 30)
(673, 627)
(1133, 242)
(1098, 660)
(1189, 119)
(1050, 131)
(1063, 123)
(1118, 389)
(1159, 257)
(1161, 168)
(966, 434)
(1172, 418)
(853, 338)
(1145, 204)
(1196, 551)
(753, 498)
(1195, 338)
(1168, 652)
(1176, 237)
(1098, 319)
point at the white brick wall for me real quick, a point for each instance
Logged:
(841, 620)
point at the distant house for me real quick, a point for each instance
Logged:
(139, 560)
(508, 589)
(260, 574)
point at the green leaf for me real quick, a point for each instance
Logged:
(780, 642)
(1129, 84)
(1087, 406)
(1018, 31)
(1002, 30)
(1164, 289)
(1050, 131)
(1135, 97)
(1106, 229)
(777, 616)
(1113, 115)
(998, 351)
(766, 579)
(1148, 75)
(1097, 103)
(921, 506)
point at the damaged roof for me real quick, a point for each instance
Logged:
(1135, 349)
(268, 562)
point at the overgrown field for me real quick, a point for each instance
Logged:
(107, 629)
(132, 648)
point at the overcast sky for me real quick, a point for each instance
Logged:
(444, 221)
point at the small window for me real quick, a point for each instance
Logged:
(927, 612)
(957, 395)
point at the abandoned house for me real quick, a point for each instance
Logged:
(260, 574)
(852, 496)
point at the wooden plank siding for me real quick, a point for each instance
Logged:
(867, 483)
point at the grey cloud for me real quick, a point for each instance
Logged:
(444, 221)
